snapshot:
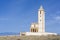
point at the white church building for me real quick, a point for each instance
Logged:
(38, 28)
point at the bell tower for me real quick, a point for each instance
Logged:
(41, 20)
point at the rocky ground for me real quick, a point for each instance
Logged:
(49, 37)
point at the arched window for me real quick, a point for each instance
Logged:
(37, 30)
(40, 12)
(33, 30)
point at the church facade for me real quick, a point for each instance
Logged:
(39, 27)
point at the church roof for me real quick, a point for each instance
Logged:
(41, 8)
(34, 23)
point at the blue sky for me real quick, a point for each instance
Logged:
(17, 15)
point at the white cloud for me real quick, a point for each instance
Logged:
(54, 21)
(58, 12)
(57, 18)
